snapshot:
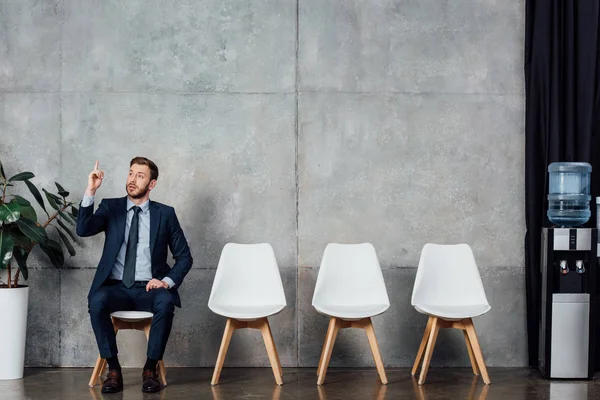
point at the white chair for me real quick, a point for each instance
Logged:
(247, 289)
(449, 290)
(350, 290)
(136, 320)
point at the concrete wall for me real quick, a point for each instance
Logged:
(296, 123)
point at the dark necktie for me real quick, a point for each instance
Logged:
(131, 254)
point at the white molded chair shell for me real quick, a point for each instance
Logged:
(247, 283)
(448, 284)
(350, 284)
(132, 316)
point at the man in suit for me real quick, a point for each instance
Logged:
(133, 273)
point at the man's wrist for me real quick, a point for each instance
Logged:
(90, 192)
(169, 282)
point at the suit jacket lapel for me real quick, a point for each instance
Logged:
(121, 217)
(154, 223)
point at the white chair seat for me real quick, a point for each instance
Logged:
(132, 316)
(245, 312)
(452, 312)
(345, 311)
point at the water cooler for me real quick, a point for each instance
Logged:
(569, 277)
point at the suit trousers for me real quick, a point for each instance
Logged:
(115, 296)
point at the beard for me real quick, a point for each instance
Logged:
(136, 193)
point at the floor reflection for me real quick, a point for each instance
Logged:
(569, 390)
(379, 391)
(219, 394)
(421, 390)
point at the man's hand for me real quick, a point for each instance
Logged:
(156, 284)
(94, 180)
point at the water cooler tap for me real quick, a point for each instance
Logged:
(564, 268)
(579, 267)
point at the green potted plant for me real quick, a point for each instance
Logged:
(20, 232)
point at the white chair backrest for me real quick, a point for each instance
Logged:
(350, 275)
(247, 274)
(448, 275)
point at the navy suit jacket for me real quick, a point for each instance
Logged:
(165, 231)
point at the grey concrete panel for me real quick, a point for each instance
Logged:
(30, 53)
(412, 46)
(404, 170)
(185, 46)
(78, 345)
(43, 318)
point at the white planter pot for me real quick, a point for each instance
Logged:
(13, 331)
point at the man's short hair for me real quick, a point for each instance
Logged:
(147, 162)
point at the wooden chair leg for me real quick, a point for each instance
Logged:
(328, 348)
(375, 350)
(421, 351)
(162, 372)
(471, 355)
(95, 379)
(435, 329)
(329, 328)
(275, 350)
(229, 328)
(265, 329)
(470, 328)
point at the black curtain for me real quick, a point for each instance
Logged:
(562, 117)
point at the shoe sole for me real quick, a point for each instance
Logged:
(112, 391)
(151, 391)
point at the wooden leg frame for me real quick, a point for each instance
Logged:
(118, 325)
(434, 324)
(261, 324)
(335, 324)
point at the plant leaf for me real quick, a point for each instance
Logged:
(66, 229)
(68, 244)
(21, 257)
(36, 194)
(74, 211)
(55, 197)
(26, 210)
(66, 218)
(6, 248)
(51, 200)
(61, 191)
(54, 252)
(23, 176)
(2, 174)
(33, 231)
(10, 212)
(20, 239)
(21, 200)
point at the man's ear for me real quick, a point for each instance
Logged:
(152, 184)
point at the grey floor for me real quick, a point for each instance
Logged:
(341, 384)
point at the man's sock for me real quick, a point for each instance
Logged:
(150, 364)
(113, 363)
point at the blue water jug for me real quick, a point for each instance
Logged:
(569, 193)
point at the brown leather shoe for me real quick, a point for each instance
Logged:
(150, 383)
(113, 382)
